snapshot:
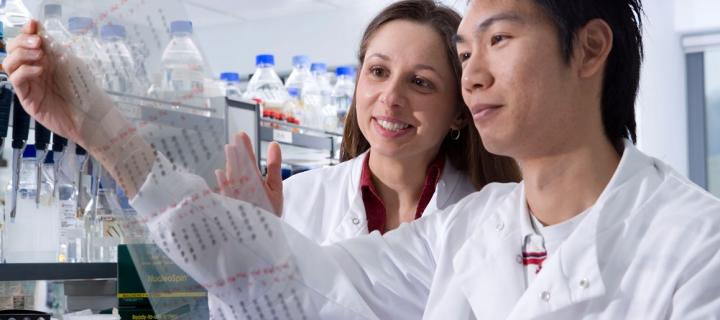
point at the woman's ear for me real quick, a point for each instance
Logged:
(460, 120)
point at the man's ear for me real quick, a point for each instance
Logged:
(594, 42)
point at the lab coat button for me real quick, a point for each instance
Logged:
(519, 259)
(355, 221)
(500, 226)
(545, 296)
(584, 283)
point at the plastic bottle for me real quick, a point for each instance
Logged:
(322, 79)
(22, 243)
(14, 15)
(102, 218)
(53, 24)
(231, 84)
(84, 46)
(72, 230)
(122, 65)
(341, 97)
(266, 86)
(300, 76)
(295, 111)
(183, 67)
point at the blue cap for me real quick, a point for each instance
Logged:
(318, 67)
(52, 10)
(301, 60)
(294, 92)
(29, 151)
(345, 71)
(264, 59)
(49, 158)
(181, 26)
(112, 31)
(230, 77)
(81, 25)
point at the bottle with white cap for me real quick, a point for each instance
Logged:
(183, 66)
(266, 86)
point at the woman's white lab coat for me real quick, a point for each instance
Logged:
(326, 204)
(648, 249)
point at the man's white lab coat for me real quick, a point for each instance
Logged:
(648, 249)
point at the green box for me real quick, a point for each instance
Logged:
(172, 292)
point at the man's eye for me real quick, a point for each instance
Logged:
(498, 38)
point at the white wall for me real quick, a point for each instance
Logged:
(697, 15)
(662, 108)
(330, 37)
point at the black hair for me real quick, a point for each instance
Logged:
(622, 71)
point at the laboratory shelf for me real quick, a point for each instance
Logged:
(57, 271)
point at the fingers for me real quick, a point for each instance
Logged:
(22, 77)
(222, 182)
(232, 167)
(27, 41)
(274, 164)
(20, 57)
(31, 27)
(243, 139)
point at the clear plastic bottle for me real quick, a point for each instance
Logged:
(103, 214)
(341, 97)
(21, 244)
(14, 16)
(72, 230)
(300, 76)
(266, 86)
(183, 66)
(54, 26)
(231, 84)
(122, 65)
(85, 47)
(322, 79)
(295, 110)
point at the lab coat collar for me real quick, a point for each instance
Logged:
(493, 278)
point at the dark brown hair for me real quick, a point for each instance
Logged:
(466, 154)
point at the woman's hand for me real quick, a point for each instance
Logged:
(32, 67)
(57, 89)
(231, 180)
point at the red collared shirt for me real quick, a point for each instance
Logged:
(374, 206)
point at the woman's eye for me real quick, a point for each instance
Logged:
(498, 38)
(377, 72)
(420, 82)
(464, 56)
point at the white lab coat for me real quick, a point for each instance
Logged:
(326, 204)
(648, 249)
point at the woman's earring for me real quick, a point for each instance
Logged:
(455, 134)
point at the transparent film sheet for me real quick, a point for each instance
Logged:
(233, 246)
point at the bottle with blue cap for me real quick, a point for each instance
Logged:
(122, 65)
(266, 86)
(183, 66)
(322, 78)
(231, 84)
(85, 46)
(300, 76)
(54, 27)
(341, 97)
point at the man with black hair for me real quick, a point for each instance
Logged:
(597, 230)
